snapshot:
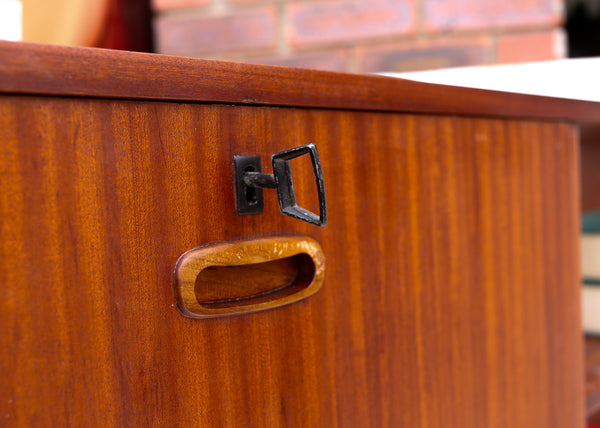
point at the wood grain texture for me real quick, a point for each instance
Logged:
(67, 71)
(450, 299)
(240, 277)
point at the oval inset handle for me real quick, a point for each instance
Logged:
(247, 276)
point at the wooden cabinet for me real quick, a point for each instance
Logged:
(451, 289)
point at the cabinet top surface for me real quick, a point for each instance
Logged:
(27, 68)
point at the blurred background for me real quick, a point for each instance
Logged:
(338, 35)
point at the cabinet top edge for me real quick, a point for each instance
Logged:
(35, 69)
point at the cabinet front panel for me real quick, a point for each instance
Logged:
(450, 296)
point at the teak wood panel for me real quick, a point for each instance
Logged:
(451, 285)
(34, 69)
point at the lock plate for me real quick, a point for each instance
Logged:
(248, 200)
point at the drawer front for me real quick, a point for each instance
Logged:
(450, 295)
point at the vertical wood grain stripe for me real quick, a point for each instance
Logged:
(13, 260)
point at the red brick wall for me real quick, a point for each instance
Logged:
(362, 35)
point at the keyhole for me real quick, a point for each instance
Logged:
(251, 197)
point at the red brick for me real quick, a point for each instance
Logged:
(424, 55)
(336, 21)
(253, 1)
(331, 61)
(182, 35)
(444, 15)
(540, 46)
(160, 5)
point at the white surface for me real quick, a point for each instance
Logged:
(590, 269)
(590, 305)
(11, 20)
(590, 255)
(567, 78)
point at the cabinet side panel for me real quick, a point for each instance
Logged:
(451, 292)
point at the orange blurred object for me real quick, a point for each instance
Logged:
(64, 22)
(112, 24)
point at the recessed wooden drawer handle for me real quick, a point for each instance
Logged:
(247, 276)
